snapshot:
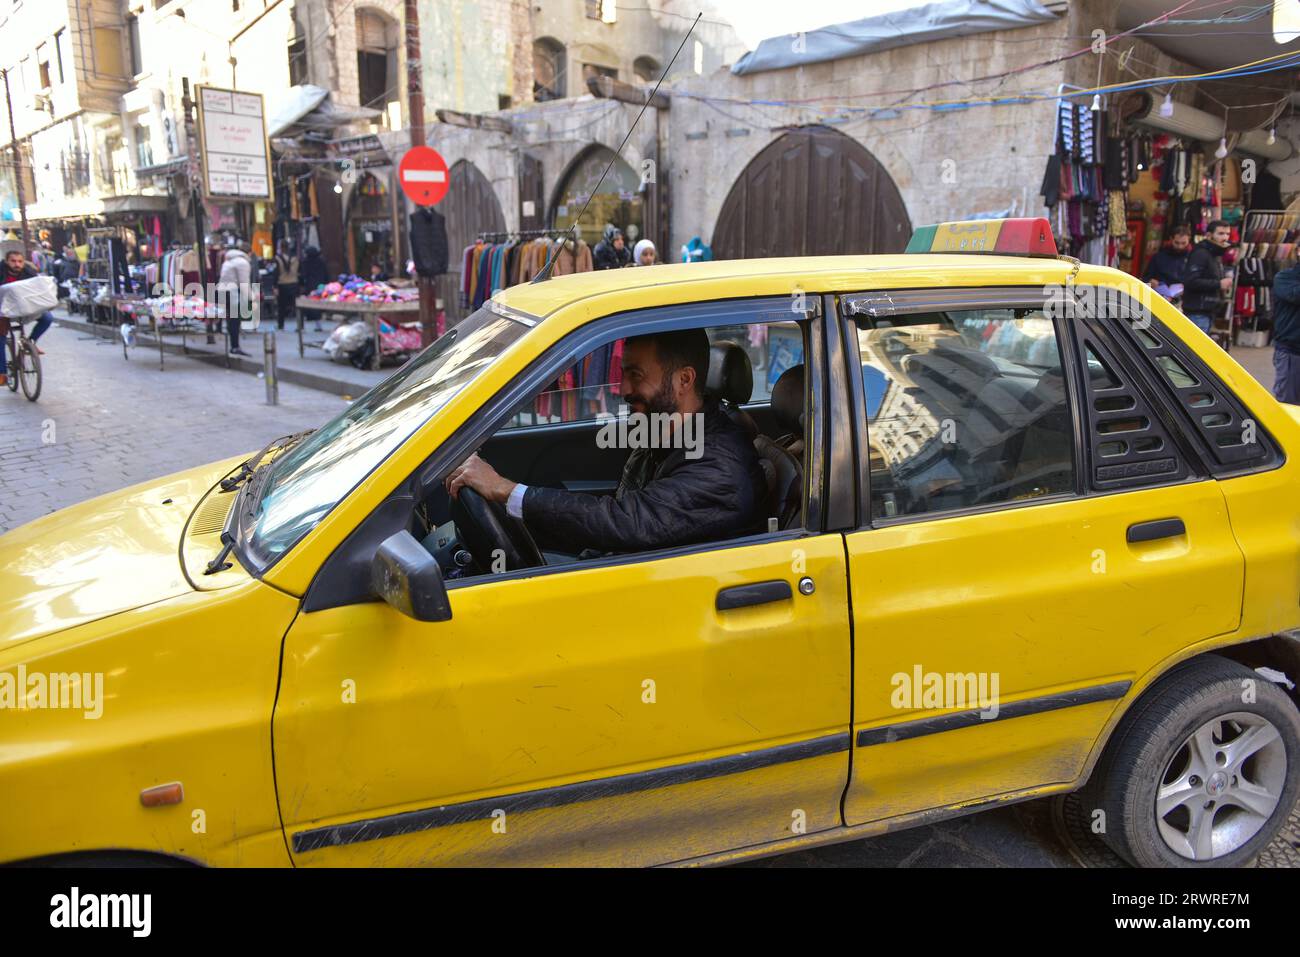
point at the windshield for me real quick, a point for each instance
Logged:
(306, 482)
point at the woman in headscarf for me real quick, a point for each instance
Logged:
(644, 254)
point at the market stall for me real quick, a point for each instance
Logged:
(390, 310)
(175, 315)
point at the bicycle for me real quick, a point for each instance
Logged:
(22, 357)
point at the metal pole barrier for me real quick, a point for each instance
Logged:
(270, 371)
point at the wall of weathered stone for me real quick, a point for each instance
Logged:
(946, 164)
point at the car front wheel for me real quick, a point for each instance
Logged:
(1203, 772)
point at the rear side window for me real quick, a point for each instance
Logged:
(965, 409)
(1223, 430)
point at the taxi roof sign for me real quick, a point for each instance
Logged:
(1005, 237)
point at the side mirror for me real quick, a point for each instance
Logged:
(405, 575)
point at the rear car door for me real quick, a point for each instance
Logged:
(633, 710)
(1033, 533)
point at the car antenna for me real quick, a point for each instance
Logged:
(550, 259)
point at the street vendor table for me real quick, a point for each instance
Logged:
(167, 316)
(368, 311)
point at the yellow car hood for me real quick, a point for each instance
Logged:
(99, 558)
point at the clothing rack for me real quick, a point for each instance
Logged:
(1269, 242)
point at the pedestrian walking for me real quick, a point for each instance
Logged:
(1286, 335)
(235, 286)
(1169, 265)
(286, 282)
(611, 252)
(1205, 286)
(312, 272)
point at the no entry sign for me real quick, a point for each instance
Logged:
(423, 175)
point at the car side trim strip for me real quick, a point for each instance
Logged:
(408, 822)
(969, 719)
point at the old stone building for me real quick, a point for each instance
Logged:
(832, 156)
(799, 152)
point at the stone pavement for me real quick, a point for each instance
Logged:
(103, 423)
(1258, 362)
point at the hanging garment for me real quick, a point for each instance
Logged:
(429, 242)
(1118, 214)
(1051, 188)
(696, 251)
(572, 257)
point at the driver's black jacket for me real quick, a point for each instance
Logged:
(664, 499)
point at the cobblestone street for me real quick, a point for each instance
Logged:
(103, 423)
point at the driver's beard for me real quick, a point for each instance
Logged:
(662, 401)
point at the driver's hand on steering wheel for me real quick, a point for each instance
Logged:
(482, 478)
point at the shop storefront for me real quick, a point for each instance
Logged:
(372, 237)
(619, 200)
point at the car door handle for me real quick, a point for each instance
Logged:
(759, 593)
(1152, 531)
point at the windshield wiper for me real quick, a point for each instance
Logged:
(247, 470)
(248, 467)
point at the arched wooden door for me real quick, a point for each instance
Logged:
(812, 192)
(471, 207)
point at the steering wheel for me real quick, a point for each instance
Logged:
(488, 531)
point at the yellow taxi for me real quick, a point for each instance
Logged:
(1027, 531)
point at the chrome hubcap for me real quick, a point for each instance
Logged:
(1222, 784)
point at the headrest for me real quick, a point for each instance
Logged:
(730, 377)
(977, 362)
(787, 400)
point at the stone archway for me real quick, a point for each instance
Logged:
(471, 207)
(620, 200)
(812, 192)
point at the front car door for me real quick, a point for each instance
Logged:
(1033, 536)
(607, 712)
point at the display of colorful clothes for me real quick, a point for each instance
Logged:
(590, 388)
(487, 267)
(1087, 179)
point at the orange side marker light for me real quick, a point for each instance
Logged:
(162, 795)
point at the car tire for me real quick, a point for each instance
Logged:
(1226, 770)
(105, 859)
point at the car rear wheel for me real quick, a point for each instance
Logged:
(1203, 772)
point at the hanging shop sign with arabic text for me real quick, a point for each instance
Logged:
(233, 147)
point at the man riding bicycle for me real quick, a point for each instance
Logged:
(15, 268)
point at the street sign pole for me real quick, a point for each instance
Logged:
(18, 171)
(196, 195)
(415, 100)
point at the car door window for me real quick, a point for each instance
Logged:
(590, 388)
(964, 409)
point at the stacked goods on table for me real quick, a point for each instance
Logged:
(356, 289)
(181, 307)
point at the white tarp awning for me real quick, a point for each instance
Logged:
(934, 21)
(293, 105)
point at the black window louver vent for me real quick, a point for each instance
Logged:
(1229, 437)
(1127, 443)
